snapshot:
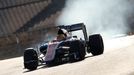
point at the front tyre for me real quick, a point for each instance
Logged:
(30, 59)
(96, 44)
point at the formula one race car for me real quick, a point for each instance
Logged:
(69, 49)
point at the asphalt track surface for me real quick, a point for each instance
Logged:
(118, 59)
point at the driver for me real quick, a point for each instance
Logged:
(61, 35)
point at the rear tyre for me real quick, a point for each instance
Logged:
(95, 44)
(78, 48)
(30, 59)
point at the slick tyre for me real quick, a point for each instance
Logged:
(30, 59)
(95, 44)
(78, 48)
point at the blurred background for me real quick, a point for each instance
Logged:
(26, 23)
(22, 24)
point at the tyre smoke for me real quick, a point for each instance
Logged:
(107, 17)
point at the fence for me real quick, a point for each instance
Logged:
(22, 24)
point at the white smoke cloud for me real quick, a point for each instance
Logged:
(107, 17)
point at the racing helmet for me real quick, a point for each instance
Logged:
(62, 31)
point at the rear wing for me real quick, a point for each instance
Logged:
(75, 27)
